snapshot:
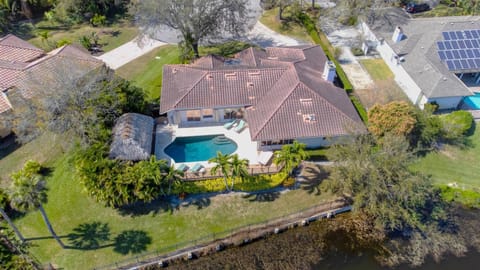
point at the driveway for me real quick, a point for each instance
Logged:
(129, 51)
(266, 37)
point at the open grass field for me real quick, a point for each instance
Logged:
(386, 89)
(68, 207)
(454, 164)
(146, 71)
(110, 36)
(292, 29)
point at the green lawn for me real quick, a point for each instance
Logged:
(454, 164)
(43, 149)
(111, 36)
(68, 207)
(385, 90)
(292, 29)
(146, 71)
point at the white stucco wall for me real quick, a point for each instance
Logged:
(408, 85)
(447, 102)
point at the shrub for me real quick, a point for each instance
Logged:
(467, 198)
(456, 124)
(98, 20)
(397, 118)
(63, 42)
(357, 51)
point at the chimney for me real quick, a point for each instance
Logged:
(329, 71)
(397, 34)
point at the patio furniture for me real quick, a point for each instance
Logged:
(229, 125)
(197, 168)
(240, 126)
(183, 167)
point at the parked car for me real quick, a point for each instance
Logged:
(414, 8)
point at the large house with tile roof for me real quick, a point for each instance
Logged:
(283, 93)
(435, 60)
(23, 65)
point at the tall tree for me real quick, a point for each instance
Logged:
(396, 117)
(222, 164)
(290, 156)
(196, 20)
(29, 193)
(239, 168)
(3, 205)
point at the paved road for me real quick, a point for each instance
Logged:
(129, 51)
(260, 34)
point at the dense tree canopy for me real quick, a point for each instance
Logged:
(196, 20)
(396, 117)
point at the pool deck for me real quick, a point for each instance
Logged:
(165, 134)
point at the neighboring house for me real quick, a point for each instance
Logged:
(24, 67)
(132, 137)
(435, 60)
(283, 93)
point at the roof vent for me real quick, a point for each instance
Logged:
(210, 76)
(254, 73)
(398, 34)
(251, 97)
(272, 58)
(231, 76)
(306, 100)
(174, 70)
(309, 118)
(249, 84)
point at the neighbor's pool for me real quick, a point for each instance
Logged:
(199, 148)
(473, 101)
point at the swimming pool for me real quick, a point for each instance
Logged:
(199, 148)
(473, 101)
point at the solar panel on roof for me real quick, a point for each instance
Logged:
(468, 34)
(447, 45)
(446, 36)
(454, 44)
(471, 63)
(450, 65)
(470, 53)
(461, 44)
(477, 62)
(456, 54)
(464, 64)
(457, 64)
(468, 43)
(440, 45)
(459, 34)
(449, 54)
(463, 54)
(474, 34)
(476, 53)
(442, 55)
(474, 43)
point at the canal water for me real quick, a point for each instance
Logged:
(301, 248)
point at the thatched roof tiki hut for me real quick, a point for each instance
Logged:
(132, 137)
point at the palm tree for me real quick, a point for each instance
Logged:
(290, 156)
(223, 165)
(29, 193)
(3, 203)
(172, 176)
(239, 168)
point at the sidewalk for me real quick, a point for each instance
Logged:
(129, 51)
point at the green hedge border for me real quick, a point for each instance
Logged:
(319, 38)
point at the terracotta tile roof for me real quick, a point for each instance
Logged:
(20, 62)
(283, 89)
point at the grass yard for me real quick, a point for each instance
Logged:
(386, 89)
(146, 71)
(292, 29)
(44, 149)
(454, 164)
(68, 207)
(111, 36)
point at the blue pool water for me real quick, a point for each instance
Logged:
(473, 101)
(199, 148)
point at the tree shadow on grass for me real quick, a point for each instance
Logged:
(262, 197)
(88, 236)
(131, 241)
(311, 179)
(200, 203)
(142, 208)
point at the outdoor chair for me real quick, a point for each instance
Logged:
(182, 167)
(231, 124)
(240, 126)
(197, 168)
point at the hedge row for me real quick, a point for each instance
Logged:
(316, 36)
